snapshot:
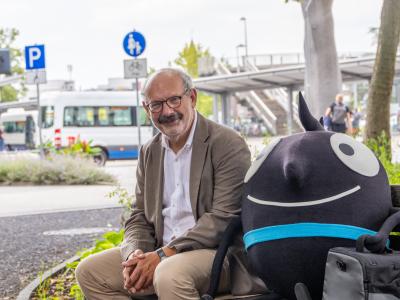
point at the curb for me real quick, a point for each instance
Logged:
(26, 293)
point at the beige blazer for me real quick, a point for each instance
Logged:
(220, 159)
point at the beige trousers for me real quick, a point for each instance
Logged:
(182, 276)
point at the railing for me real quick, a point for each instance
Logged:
(255, 102)
(279, 95)
(262, 110)
(276, 59)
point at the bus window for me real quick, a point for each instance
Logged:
(14, 127)
(69, 116)
(103, 116)
(84, 116)
(122, 116)
(47, 116)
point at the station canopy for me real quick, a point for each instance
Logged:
(292, 76)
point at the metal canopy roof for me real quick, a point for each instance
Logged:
(352, 70)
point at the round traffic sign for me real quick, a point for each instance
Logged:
(134, 43)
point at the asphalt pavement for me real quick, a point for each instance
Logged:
(31, 244)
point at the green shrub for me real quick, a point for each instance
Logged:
(380, 147)
(55, 169)
(77, 148)
(110, 240)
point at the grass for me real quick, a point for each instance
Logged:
(56, 169)
(63, 286)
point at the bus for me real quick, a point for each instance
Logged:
(19, 128)
(107, 119)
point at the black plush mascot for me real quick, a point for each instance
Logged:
(307, 193)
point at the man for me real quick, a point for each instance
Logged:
(339, 115)
(189, 184)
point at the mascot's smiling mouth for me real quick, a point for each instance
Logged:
(306, 203)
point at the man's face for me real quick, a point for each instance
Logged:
(339, 99)
(172, 122)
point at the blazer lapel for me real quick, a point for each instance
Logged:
(199, 151)
(156, 186)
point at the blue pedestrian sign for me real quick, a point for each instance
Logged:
(134, 43)
(34, 57)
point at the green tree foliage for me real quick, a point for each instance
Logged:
(7, 39)
(188, 59)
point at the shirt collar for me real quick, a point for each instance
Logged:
(189, 141)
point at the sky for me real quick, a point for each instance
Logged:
(88, 34)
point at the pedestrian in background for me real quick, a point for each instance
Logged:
(339, 114)
(355, 122)
(1, 141)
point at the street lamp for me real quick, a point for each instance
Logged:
(245, 38)
(237, 56)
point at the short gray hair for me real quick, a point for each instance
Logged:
(186, 79)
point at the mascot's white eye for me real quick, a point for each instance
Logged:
(355, 155)
(260, 159)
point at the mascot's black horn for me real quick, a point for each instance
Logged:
(307, 120)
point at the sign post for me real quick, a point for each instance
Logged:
(134, 44)
(36, 74)
(5, 66)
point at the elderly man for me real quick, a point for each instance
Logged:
(189, 184)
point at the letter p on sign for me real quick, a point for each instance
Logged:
(34, 57)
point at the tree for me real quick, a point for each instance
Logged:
(378, 107)
(7, 39)
(188, 59)
(323, 79)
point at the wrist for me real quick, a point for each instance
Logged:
(169, 251)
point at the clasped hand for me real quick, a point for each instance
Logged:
(139, 270)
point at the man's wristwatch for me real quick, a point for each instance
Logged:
(160, 252)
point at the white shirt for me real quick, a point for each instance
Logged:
(177, 210)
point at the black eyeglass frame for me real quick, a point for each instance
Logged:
(166, 102)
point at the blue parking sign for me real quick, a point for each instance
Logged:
(34, 57)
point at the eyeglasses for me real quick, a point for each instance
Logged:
(172, 102)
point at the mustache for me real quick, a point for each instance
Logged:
(170, 118)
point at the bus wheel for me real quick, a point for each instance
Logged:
(101, 158)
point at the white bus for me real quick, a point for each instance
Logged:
(107, 119)
(19, 128)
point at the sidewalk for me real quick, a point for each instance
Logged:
(26, 200)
